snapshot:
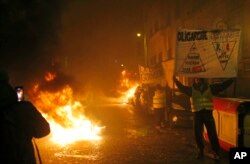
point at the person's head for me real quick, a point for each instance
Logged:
(198, 81)
(7, 92)
(7, 95)
(4, 77)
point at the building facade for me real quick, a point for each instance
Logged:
(163, 19)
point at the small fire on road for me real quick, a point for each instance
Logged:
(127, 95)
(65, 115)
(127, 87)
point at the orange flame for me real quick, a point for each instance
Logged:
(128, 87)
(49, 76)
(129, 94)
(65, 115)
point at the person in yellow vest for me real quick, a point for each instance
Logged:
(201, 97)
(159, 105)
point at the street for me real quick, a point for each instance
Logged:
(78, 61)
(127, 138)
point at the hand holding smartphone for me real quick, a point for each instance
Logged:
(20, 94)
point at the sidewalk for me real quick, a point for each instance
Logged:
(184, 151)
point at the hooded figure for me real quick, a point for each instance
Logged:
(7, 93)
(27, 122)
(8, 98)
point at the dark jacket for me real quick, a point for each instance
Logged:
(7, 98)
(28, 123)
(7, 95)
(31, 124)
(215, 88)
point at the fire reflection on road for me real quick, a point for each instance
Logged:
(51, 152)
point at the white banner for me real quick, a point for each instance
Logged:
(150, 75)
(208, 54)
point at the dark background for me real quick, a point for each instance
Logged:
(83, 40)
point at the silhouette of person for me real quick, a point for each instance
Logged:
(28, 123)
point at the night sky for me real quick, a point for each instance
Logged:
(85, 39)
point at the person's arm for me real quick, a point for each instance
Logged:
(184, 89)
(216, 88)
(41, 127)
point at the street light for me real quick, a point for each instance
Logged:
(144, 47)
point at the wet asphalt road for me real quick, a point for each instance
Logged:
(127, 138)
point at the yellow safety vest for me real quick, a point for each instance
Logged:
(159, 99)
(201, 101)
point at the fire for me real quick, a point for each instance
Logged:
(125, 82)
(129, 94)
(75, 129)
(128, 87)
(65, 115)
(50, 76)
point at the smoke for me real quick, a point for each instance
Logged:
(28, 37)
(97, 37)
(89, 40)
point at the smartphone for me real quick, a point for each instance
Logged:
(20, 94)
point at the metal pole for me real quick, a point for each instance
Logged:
(145, 49)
